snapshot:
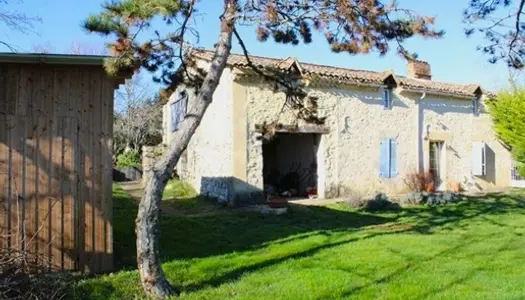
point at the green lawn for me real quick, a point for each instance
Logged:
(471, 250)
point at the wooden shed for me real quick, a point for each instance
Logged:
(56, 120)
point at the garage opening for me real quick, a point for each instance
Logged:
(290, 165)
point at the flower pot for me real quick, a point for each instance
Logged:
(456, 187)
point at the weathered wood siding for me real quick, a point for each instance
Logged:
(56, 163)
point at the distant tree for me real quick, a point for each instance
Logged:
(81, 48)
(508, 113)
(76, 48)
(138, 116)
(350, 26)
(14, 21)
(501, 23)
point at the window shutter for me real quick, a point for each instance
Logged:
(174, 116)
(484, 159)
(393, 157)
(478, 158)
(475, 106)
(385, 95)
(182, 109)
(178, 111)
(384, 159)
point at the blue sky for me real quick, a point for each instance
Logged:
(453, 58)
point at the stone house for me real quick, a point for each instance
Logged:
(379, 128)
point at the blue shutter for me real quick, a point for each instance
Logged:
(384, 94)
(182, 108)
(178, 112)
(384, 158)
(174, 123)
(393, 157)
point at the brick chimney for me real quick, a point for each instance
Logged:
(419, 69)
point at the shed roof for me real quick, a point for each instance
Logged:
(56, 59)
(353, 76)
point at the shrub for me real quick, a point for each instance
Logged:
(508, 115)
(419, 182)
(441, 198)
(130, 158)
(381, 203)
(24, 274)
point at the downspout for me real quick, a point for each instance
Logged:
(419, 138)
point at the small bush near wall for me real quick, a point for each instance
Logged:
(420, 182)
(380, 202)
(432, 199)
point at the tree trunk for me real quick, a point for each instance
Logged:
(152, 277)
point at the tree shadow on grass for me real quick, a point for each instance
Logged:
(184, 237)
(190, 237)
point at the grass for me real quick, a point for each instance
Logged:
(179, 197)
(474, 249)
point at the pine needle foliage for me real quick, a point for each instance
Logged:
(354, 27)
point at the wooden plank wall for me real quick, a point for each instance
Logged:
(56, 164)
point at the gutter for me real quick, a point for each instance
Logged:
(431, 92)
(53, 59)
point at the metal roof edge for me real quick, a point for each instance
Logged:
(57, 59)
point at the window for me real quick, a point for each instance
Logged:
(387, 98)
(479, 159)
(388, 158)
(475, 106)
(436, 160)
(178, 110)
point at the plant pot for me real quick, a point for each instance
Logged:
(277, 202)
(456, 187)
(429, 188)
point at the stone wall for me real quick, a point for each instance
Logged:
(224, 159)
(208, 161)
(454, 123)
(349, 155)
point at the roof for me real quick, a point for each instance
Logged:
(58, 59)
(351, 76)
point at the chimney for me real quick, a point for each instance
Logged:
(419, 69)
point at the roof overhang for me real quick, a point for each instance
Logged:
(61, 59)
(54, 59)
(327, 75)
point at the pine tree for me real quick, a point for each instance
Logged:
(508, 112)
(349, 26)
(500, 22)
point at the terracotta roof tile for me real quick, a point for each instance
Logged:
(351, 75)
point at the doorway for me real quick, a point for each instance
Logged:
(290, 165)
(437, 162)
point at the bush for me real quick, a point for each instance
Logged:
(419, 182)
(381, 203)
(129, 158)
(25, 275)
(508, 115)
(441, 198)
